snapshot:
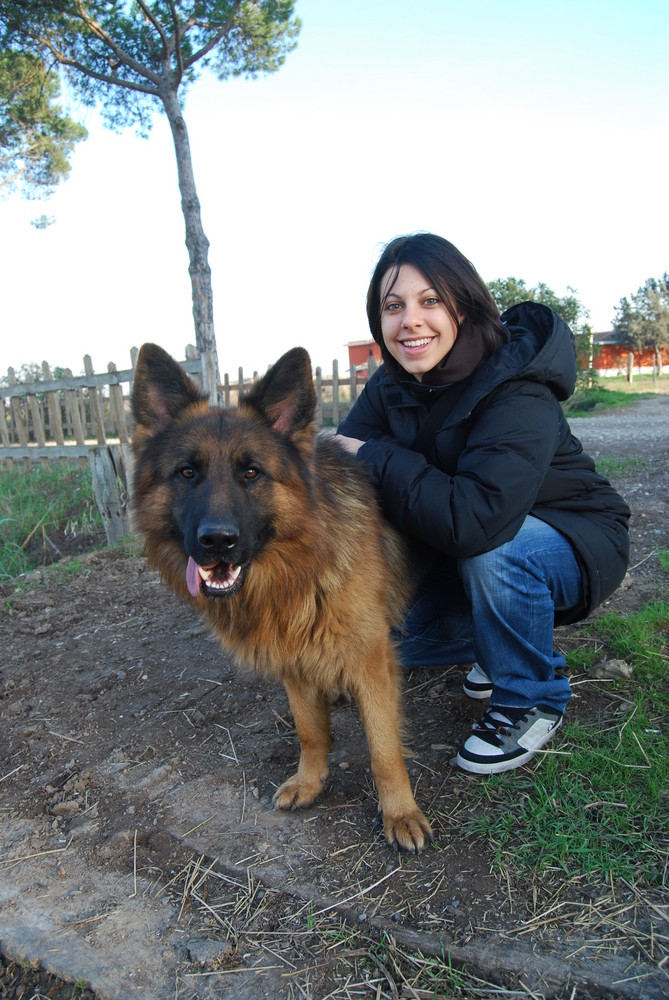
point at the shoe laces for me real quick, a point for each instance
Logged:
(500, 718)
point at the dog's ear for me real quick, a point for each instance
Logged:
(161, 390)
(285, 396)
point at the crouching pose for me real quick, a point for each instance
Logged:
(463, 434)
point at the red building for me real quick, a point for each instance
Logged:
(612, 358)
(359, 352)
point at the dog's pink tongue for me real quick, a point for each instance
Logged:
(193, 578)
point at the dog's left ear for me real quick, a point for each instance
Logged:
(285, 396)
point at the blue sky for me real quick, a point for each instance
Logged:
(533, 135)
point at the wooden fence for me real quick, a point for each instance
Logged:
(88, 418)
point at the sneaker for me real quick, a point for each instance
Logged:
(477, 683)
(507, 737)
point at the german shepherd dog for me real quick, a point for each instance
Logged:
(275, 535)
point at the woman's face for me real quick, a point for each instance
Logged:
(417, 328)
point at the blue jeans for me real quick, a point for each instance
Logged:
(498, 609)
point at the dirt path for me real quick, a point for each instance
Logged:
(140, 855)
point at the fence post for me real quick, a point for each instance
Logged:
(72, 408)
(335, 392)
(53, 409)
(4, 432)
(38, 426)
(111, 471)
(353, 386)
(96, 405)
(18, 417)
(630, 366)
(117, 406)
(318, 389)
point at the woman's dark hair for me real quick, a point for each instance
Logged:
(452, 276)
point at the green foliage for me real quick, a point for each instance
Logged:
(36, 137)
(38, 505)
(585, 401)
(642, 321)
(127, 56)
(508, 292)
(135, 57)
(30, 373)
(614, 467)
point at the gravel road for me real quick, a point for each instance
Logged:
(640, 426)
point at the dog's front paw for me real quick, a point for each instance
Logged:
(297, 792)
(409, 831)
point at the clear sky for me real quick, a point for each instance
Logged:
(531, 133)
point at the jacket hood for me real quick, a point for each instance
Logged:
(541, 349)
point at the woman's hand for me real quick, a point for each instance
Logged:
(350, 445)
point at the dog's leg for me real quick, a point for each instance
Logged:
(311, 712)
(378, 699)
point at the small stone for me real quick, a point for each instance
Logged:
(613, 668)
(65, 809)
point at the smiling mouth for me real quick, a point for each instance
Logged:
(218, 580)
(412, 345)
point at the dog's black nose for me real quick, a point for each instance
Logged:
(217, 536)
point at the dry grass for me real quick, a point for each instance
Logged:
(316, 953)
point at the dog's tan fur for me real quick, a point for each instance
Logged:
(326, 576)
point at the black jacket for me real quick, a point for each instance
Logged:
(503, 450)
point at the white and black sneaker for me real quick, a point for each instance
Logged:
(477, 684)
(507, 737)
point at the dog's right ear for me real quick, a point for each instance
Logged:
(284, 396)
(161, 390)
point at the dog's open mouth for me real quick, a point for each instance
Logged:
(219, 580)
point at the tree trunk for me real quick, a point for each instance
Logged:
(198, 248)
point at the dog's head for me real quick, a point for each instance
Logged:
(207, 493)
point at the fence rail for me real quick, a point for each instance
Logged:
(65, 417)
(88, 418)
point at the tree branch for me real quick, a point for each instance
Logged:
(148, 14)
(177, 42)
(65, 60)
(98, 31)
(213, 42)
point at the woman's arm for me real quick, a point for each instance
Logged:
(365, 421)
(507, 452)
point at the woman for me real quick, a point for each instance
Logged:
(464, 437)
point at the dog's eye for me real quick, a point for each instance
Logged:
(187, 472)
(251, 472)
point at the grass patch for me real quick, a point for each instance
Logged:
(44, 513)
(586, 401)
(611, 467)
(596, 802)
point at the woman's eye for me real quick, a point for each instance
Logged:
(392, 306)
(432, 300)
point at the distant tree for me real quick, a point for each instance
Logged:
(135, 56)
(642, 321)
(32, 372)
(36, 137)
(508, 291)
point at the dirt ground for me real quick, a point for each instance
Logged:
(140, 853)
